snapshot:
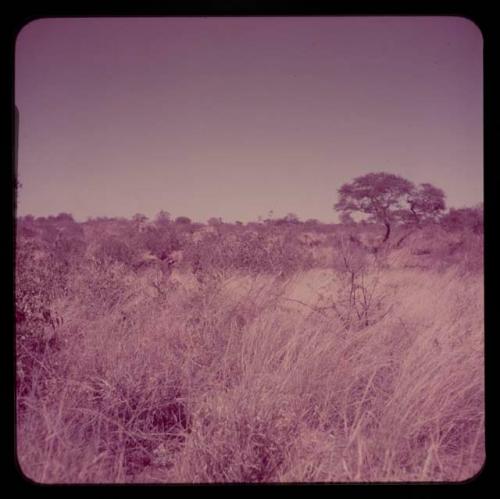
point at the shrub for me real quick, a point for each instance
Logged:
(464, 219)
(183, 220)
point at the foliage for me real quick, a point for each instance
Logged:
(389, 199)
(214, 221)
(464, 219)
(426, 203)
(183, 220)
(161, 239)
(115, 249)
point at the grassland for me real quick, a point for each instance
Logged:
(352, 366)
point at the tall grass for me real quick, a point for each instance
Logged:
(219, 386)
(364, 371)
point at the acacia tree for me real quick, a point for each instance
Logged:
(388, 198)
(426, 203)
(381, 196)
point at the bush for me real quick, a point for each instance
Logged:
(183, 220)
(114, 249)
(464, 219)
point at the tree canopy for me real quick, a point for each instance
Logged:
(426, 203)
(388, 198)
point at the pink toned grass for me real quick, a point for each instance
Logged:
(249, 377)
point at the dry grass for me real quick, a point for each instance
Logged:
(256, 378)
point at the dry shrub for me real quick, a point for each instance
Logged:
(432, 247)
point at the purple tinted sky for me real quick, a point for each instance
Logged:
(233, 117)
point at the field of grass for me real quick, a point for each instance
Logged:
(356, 368)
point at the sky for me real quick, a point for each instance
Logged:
(234, 117)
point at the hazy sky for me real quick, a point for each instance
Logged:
(233, 117)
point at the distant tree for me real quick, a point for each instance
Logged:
(387, 198)
(312, 224)
(214, 221)
(381, 196)
(291, 218)
(65, 217)
(30, 219)
(183, 220)
(162, 218)
(25, 226)
(139, 218)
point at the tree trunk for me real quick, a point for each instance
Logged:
(415, 216)
(387, 231)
